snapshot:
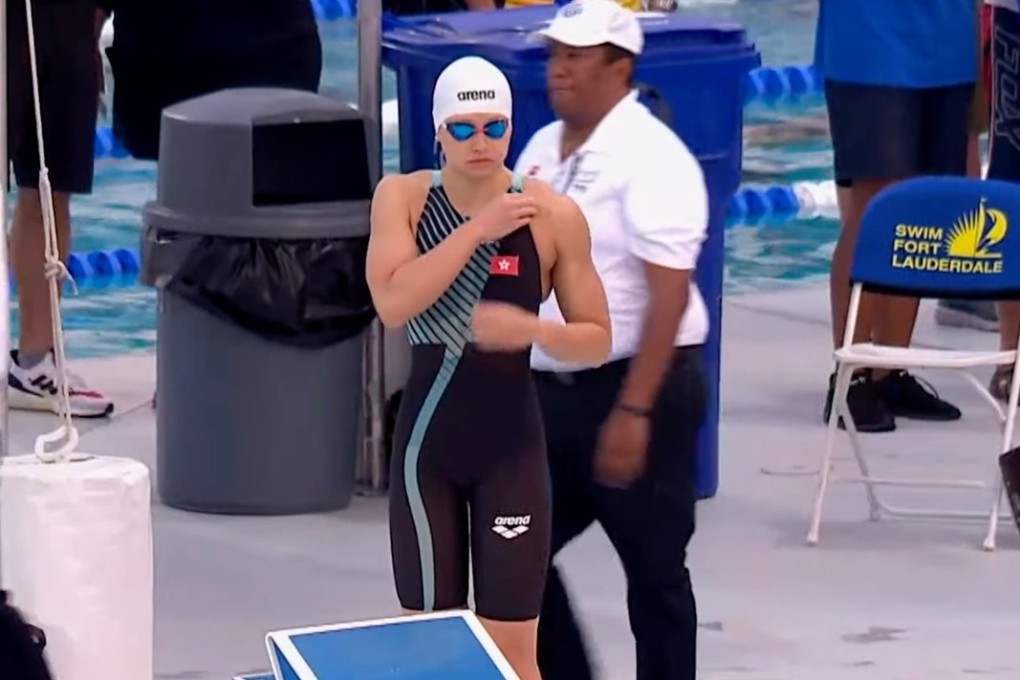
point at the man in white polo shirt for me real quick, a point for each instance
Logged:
(621, 437)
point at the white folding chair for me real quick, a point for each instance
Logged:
(942, 237)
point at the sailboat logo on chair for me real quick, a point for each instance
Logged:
(975, 234)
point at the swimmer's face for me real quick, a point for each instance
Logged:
(476, 144)
(581, 78)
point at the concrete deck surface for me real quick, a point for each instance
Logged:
(882, 601)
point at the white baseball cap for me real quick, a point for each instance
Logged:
(471, 85)
(586, 23)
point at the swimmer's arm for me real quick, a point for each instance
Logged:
(586, 337)
(402, 282)
(480, 4)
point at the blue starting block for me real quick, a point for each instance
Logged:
(440, 646)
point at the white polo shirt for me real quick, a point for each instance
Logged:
(644, 196)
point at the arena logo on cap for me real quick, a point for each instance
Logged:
(475, 95)
(968, 247)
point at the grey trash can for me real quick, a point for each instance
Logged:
(256, 243)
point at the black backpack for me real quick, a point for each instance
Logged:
(21, 646)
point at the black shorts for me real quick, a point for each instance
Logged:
(883, 132)
(66, 56)
(1004, 136)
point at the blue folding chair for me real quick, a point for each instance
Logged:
(933, 237)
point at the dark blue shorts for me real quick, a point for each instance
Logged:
(66, 56)
(1004, 135)
(881, 132)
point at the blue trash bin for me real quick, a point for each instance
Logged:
(699, 66)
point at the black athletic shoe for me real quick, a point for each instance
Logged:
(907, 397)
(866, 408)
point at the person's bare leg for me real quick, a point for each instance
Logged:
(888, 319)
(839, 275)
(28, 244)
(1009, 332)
(1009, 324)
(518, 641)
(852, 203)
(974, 155)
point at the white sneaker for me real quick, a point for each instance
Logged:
(37, 389)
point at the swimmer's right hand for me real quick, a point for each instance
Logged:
(505, 215)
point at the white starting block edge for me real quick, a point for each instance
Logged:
(281, 643)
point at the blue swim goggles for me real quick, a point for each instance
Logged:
(464, 131)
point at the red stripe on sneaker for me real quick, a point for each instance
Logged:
(86, 393)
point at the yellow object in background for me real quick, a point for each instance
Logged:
(633, 5)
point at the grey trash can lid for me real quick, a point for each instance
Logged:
(263, 162)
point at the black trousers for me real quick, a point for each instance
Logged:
(650, 523)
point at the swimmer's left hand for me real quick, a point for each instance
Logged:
(499, 326)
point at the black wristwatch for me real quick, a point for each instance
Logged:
(635, 410)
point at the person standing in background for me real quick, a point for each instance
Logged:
(69, 72)
(168, 51)
(899, 82)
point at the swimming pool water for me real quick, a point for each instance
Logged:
(105, 321)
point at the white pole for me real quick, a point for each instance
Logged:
(370, 103)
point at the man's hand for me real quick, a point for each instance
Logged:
(622, 453)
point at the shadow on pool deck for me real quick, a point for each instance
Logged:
(882, 601)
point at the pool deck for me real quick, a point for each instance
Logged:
(882, 601)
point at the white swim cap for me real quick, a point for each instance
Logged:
(471, 85)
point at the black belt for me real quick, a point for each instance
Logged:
(619, 366)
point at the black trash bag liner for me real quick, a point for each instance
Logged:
(21, 646)
(303, 293)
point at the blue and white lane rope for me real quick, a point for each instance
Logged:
(752, 205)
(782, 203)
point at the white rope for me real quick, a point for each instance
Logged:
(55, 272)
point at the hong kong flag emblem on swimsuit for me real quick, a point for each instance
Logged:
(505, 265)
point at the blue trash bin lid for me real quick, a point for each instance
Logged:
(503, 36)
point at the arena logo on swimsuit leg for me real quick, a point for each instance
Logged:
(511, 526)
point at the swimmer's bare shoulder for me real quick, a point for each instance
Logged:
(560, 222)
(405, 192)
(397, 204)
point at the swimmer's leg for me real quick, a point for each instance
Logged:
(510, 532)
(428, 533)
